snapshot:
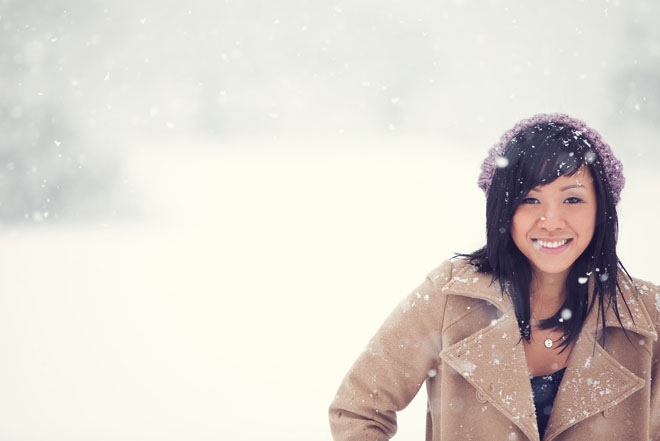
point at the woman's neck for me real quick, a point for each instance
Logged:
(547, 294)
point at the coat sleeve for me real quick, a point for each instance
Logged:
(654, 417)
(391, 369)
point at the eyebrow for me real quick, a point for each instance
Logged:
(568, 187)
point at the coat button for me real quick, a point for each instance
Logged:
(481, 397)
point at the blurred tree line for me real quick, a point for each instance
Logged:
(75, 79)
(50, 169)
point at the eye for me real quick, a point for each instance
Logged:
(529, 201)
(573, 200)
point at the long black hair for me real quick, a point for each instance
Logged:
(536, 156)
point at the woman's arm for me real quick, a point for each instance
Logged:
(389, 372)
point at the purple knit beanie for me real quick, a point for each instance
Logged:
(611, 164)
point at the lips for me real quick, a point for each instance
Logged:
(551, 244)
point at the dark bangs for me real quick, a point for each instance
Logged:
(539, 155)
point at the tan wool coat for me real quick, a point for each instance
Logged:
(459, 335)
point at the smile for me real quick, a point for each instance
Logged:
(556, 244)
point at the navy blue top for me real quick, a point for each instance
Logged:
(545, 389)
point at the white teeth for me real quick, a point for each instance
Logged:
(552, 244)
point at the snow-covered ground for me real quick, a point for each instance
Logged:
(233, 306)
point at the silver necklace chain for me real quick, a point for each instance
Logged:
(548, 342)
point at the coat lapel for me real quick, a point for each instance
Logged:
(594, 380)
(493, 360)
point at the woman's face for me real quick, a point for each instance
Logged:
(554, 223)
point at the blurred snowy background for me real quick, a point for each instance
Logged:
(208, 207)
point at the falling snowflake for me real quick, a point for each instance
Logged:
(467, 368)
(501, 162)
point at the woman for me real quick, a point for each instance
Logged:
(539, 335)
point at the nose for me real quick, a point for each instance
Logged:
(551, 220)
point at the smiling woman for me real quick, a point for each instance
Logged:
(554, 224)
(563, 346)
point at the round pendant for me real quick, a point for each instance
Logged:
(548, 343)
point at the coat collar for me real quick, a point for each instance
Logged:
(593, 382)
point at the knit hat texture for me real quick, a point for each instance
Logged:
(612, 165)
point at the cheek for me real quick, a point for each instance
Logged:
(518, 227)
(591, 224)
(587, 222)
(522, 220)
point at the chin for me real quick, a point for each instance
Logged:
(551, 264)
(552, 270)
